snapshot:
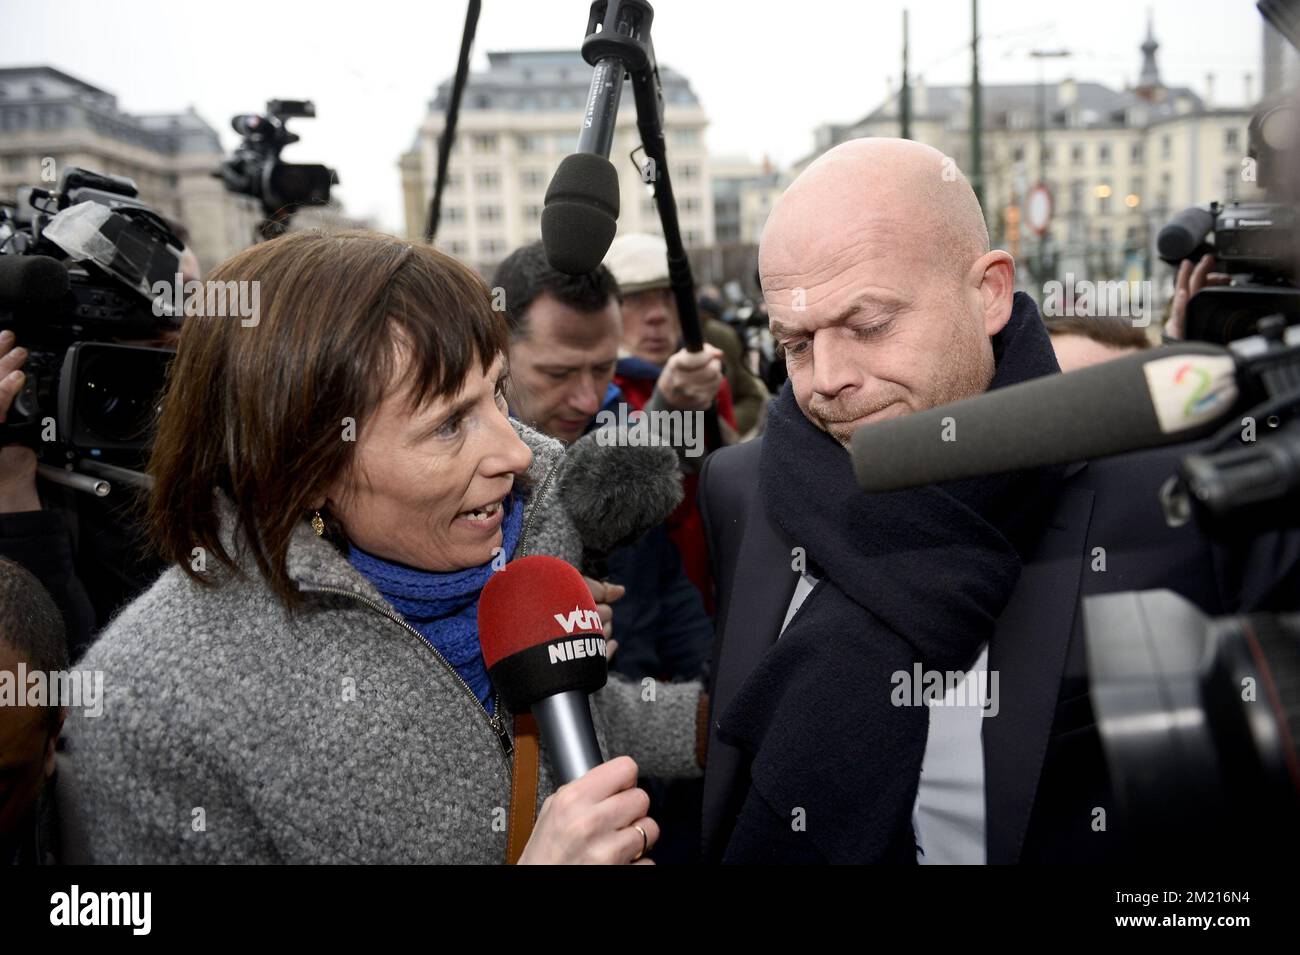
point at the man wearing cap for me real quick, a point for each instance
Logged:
(748, 393)
(656, 373)
(661, 373)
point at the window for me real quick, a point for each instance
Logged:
(686, 137)
(489, 213)
(690, 204)
(484, 142)
(488, 248)
(533, 213)
(1135, 152)
(1046, 154)
(532, 178)
(1103, 236)
(1230, 183)
(1076, 153)
(690, 238)
(1076, 194)
(1230, 139)
(1103, 205)
(531, 144)
(1018, 154)
(1166, 146)
(15, 163)
(487, 179)
(453, 214)
(457, 247)
(1103, 154)
(689, 172)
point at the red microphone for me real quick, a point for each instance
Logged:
(544, 647)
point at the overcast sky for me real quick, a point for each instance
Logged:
(767, 71)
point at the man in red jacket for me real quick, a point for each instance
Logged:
(657, 374)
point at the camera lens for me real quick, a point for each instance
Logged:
(117, 396)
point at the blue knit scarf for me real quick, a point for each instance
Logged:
(443, 607)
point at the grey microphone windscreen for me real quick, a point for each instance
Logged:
(614, 491)
(1143, 400)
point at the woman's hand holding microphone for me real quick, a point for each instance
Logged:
(599, 818)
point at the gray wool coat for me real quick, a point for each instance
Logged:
(233, 732)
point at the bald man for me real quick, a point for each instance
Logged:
(900, 677)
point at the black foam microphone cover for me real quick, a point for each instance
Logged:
(1184, 235)
(581, 213)
(31, 278)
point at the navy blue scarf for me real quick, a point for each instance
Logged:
(444, 606)
(915, 575)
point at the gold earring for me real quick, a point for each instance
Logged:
(318, 524)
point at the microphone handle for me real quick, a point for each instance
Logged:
(601, 114)
(565, 724)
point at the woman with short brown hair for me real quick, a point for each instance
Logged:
(334, 483)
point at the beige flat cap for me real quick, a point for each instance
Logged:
(639, 261)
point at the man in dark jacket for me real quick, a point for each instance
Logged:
(565, 332)
(886, 299)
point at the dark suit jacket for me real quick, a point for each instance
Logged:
(1044, 769)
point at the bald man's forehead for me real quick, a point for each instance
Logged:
(807, 265)
(897, 203)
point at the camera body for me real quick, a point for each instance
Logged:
(77, 269)
(255, 169)
(1253, 241)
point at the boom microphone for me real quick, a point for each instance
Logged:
(580, 215)
(1172, 394)
(544, 647)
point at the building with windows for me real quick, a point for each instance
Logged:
(517, 120)
(50, 120)
(1118, 163)
(743, 194)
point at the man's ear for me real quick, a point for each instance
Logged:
(994, 275)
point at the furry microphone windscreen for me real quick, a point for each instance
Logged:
(614, 491)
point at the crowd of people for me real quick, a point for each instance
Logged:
(290, 657)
